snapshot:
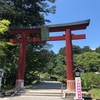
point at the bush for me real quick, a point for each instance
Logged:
(58, 78)
(29, 79)
(62, 80)
(90, 80)
(95, 93)
(45, 75)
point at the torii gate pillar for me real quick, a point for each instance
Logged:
(21, 62)
(69, 61)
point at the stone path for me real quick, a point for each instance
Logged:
(48, 85)
(46, 90)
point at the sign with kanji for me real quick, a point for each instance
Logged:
(44, 33)
(78, 88)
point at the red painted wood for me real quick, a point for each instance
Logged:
(69, 55)
(52, 38)
(79, 36)
(52, 29)
(22, 57)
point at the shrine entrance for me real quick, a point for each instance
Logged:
(44, 32)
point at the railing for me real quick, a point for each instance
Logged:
(62, 91)
(16, 90)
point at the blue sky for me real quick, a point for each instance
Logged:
(77, 10)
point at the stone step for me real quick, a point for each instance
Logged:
(50, 92)
(40, 93)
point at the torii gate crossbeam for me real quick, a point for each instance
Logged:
(68, 37)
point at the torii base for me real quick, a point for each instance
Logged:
(19, 85)
(71, 85)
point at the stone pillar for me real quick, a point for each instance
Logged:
(69, 61)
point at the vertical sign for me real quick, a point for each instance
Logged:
(44, 33)
(78, 88)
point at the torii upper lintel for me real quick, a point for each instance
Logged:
(79, 25)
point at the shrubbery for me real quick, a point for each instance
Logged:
(90, 80)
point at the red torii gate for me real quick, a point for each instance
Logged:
(68, 37)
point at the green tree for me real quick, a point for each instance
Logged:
(89, 61)
(26, 12)
(76, 49)
(4, 24)
(7, 59)
(86, 49)
(60, 68)
(97, 49)
(90, 80)
(62, 51)
(51, 63)
(60, 61)
(36, 62)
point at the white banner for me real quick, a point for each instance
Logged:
(78, 88)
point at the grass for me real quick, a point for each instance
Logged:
(95, 93)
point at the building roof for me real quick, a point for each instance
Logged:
(79, 69)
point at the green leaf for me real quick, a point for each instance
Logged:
(4, 26)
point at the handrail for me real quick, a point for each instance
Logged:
(17, 89)
(62, 88)
(62, 91)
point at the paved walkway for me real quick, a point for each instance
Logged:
(46, 87)
(35, 98)
(46, 90)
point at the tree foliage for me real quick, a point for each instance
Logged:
(86, 49)
(6, 54)
(60, 68)
(85, 58)
(76, 49)
(26, 12)
(90, 80)
(4, 24)
(51, 63)
(89, 61)
(97, 49)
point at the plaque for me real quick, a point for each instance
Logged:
(44, 33)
